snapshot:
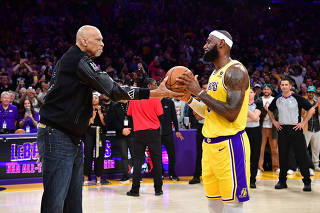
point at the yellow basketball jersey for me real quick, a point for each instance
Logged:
(216, 125)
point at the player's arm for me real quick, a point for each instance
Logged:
(236, 80)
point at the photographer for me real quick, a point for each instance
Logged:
(94, 138)
(28, 118)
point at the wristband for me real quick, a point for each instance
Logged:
(190, 100)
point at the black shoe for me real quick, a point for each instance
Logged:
(194, 180)
(281, 185)
(124, 179)
(105, 182)
(133, 194)
(174, 177)
(158, 193)
(253, 185)
(307, 187)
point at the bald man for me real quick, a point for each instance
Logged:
(65, 114)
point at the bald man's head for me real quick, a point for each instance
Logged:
(89, 40)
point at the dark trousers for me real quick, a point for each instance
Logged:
(288, 137)
(198, 169)
(167, 141)
(89, 144)
(125, 143)
(150, 138)
(255, 136)
(62, 171)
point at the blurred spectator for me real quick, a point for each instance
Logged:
(156, 72)
(31, 94)
(8, 114)
(28, 118)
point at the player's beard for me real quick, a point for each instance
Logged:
(211, 55)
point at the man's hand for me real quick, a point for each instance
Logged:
(162, 91)
(126, 131)
(299, 126)
(189, 83)
(277, 125)
(179, 135)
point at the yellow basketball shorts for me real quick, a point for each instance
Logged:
(226, 167)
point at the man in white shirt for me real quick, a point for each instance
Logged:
(267, 132)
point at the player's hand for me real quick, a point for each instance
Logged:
(189, 83)
(162, 91)
(179, 135)
(277, 125)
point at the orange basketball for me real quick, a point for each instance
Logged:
(173, 74)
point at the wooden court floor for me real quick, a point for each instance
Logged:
(178, 197)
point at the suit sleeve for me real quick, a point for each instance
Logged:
(91, 75)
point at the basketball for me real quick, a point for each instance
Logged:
(173, 74)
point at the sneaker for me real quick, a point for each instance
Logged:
(124, 179)
(278, 171)
(307, 187)
(317, 168)
(174, 178)
(141, 180)
(290, 172)
(194, 180)
(133, 194)
(158, 193)
(311, 171)
(253, 185)
(98, 183)
(259, 172)
(86, 183)
(162, 177)
(281, 185)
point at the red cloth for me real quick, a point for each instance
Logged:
(157, 73)
(145, 113)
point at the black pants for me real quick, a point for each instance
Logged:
(89, 144)
(289, 137)
(150, 138)
(198, 169)
(167, 141)
(255, 136)
(125, 143)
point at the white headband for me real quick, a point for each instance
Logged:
(221, 36)
(96, 94)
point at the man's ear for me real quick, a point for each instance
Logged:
(84, 42)
(221, 43)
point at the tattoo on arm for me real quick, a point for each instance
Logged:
(237, 82)
(271, 116)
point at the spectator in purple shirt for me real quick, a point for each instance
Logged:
(8, 114)
(28, 118)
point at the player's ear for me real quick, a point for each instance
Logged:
(221, 43)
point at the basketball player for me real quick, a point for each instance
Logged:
(226, 149)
